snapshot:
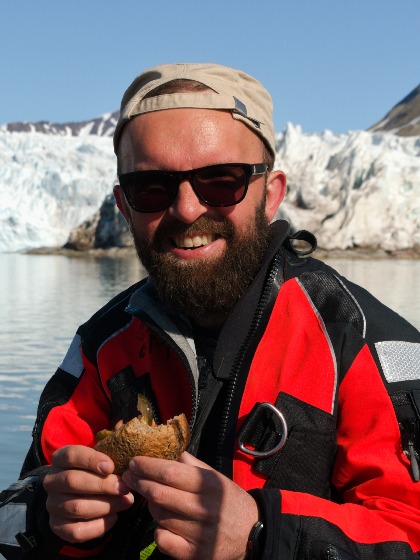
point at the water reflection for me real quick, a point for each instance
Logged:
(395, 282)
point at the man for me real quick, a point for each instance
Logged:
(302, 390)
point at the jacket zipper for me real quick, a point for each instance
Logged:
(237, 366)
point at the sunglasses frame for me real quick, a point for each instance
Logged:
(249, 169)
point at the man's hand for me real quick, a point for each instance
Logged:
(83, 496)
(201, 514)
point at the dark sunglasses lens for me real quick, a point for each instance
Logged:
(221, 185)
(150, 192)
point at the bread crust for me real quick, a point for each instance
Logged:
(165, 441)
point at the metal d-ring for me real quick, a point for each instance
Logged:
(283, 437)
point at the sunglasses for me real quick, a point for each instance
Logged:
(224, 184)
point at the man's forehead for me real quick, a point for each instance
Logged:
(185, 122)
(180, 135)
(232, 90)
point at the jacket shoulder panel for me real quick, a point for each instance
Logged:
(382, 323)
(105, 322)
(332, 299)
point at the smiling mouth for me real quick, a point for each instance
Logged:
(195, 241)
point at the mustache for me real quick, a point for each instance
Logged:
(204, 224)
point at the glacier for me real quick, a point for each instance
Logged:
(359, 189)
(356, 190)
(49, 185)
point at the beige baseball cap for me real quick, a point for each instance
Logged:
(234, 91)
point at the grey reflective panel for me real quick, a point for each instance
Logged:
(73, 362)
(400, 360)
(12, 521)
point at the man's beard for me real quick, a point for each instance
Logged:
(205, 287)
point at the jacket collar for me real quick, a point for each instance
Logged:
(239, 321)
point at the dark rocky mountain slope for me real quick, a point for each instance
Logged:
(404, 118)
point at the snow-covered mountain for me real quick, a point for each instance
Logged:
(101, 126)
(360, 189)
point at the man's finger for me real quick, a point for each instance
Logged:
(82, 531)
(82, 457)
(88, 507)
(83, 483)
(188, 477)
(189, 459)
(169, 499)
(173, 545)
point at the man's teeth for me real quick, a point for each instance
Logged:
(187, 242)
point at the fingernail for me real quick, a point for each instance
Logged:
(105, 468)
(134, 466)
(127, 477)
(121, 487)
(128, 499)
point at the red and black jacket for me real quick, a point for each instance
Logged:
(343, 369)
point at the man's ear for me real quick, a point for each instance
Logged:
(122, 203)
(275, 191)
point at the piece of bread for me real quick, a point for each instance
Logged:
(136, 437)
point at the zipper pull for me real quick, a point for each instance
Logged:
(413, 461)
(415, 435)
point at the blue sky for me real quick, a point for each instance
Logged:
(329, 64)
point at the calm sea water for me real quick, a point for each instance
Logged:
(43, 299)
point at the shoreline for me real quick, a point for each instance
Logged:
(366, 254)
(111, 252)
(360, 253)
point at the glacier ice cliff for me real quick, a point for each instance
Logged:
(360, 189)
(49, 185)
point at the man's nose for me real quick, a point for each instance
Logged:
(187, 207)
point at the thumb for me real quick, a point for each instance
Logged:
(188, 459)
